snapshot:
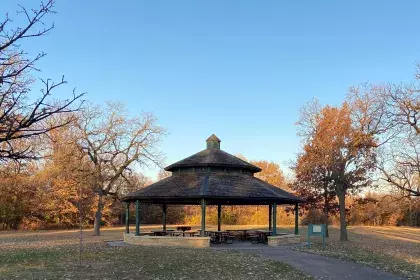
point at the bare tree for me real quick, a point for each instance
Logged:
(400, 165)
(404, 106)
(393, 112)
(114, 143)
(20, 117)
(370, 111)
(162, 174)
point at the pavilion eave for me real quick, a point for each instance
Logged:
(211, 200)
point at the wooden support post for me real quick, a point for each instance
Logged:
(270, 217)
(219, 217)
(203, 217)
(274, 218)
(164, 217)
(127, 217)
(296, 218)
(137, 218)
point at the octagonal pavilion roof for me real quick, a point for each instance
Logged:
(213, 175)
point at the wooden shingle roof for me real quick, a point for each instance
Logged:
(213, 175)
(230, 188)
(213, 157)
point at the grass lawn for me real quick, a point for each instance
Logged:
(54, 255)
(393, 249)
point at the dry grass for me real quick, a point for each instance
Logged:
(393, 249)
(54, 255)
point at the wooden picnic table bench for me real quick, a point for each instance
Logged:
(180, 232)
(183, 228)
(241, 233)
(221, 237)
(159, 232)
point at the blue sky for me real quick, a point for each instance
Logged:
(239, 69)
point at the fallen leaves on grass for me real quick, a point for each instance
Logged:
(55, 256)
(384, 248)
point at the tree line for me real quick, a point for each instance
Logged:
(65, 162)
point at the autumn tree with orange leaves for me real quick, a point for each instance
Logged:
(270, 173)
(314, 184)
(334, 141)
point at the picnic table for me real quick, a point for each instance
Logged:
(207, 232)
(176, 233)
(183, 228)
(221, 237)
(243, 230)
(179, 232)
(159, 232)
(191, 232)
(240, 232)
(263, 235)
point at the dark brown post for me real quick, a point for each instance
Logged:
(164, 216)
(219, 217)
(137, 218)
(203, 217)
(127, 217)
(274, 218)
(270, 217)
(296, 218)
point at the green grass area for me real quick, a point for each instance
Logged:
(392, 249)
(56, 256)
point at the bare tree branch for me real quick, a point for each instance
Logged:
(114, 142)
(21, 118)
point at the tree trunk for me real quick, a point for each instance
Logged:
(326, 213)
(343, 226)
(98, 216)
(410, 215)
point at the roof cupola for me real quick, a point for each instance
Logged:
(213, 142)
